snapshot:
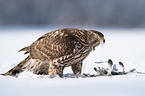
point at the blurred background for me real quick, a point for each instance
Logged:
(96, 13)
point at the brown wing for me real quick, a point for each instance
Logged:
(52, 45)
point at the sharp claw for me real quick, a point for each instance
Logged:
(52, 76)
(77, 75)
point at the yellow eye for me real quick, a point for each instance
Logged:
(95, 36)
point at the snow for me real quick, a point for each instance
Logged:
(126, 45)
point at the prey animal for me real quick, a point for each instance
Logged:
(54, 51)
(112, 70)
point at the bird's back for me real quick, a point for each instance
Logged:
(57, 43)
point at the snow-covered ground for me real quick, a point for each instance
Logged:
(126, 45)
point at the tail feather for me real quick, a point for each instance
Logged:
(24, 49)
(17, 69)
(38, 67)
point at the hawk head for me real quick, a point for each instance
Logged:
(96, 38)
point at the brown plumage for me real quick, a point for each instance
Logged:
(54, 51)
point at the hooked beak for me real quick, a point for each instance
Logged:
(102, 41)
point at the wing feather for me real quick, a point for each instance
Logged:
(53, 45)
(56, 43)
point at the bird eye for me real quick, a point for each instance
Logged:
(95, 36)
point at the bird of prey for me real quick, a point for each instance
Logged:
(54, 51)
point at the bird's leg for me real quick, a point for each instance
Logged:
(52, 69)
(60, 71)
(77, 68)
(55, 70)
